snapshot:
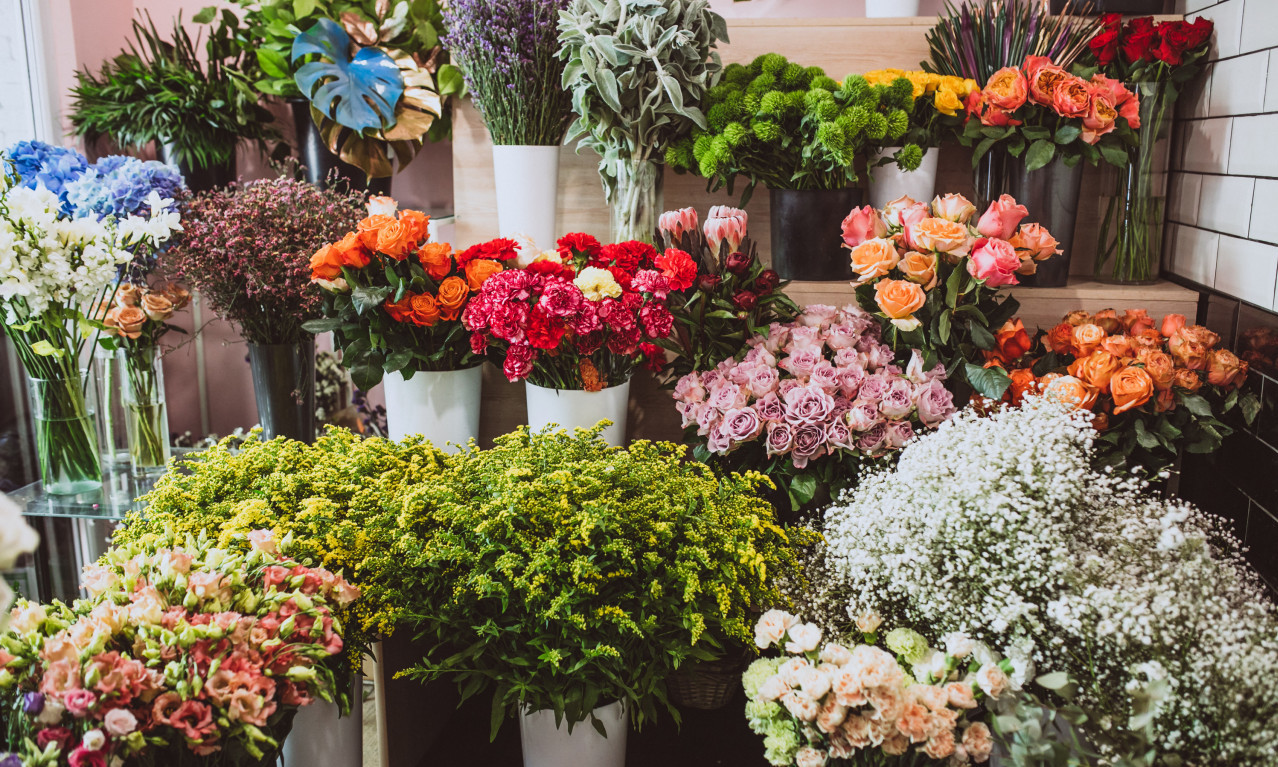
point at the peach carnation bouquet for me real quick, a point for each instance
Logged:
(932, 272)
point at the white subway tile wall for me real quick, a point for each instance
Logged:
(1224, 188)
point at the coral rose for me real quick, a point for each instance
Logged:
(157, 306)
(874, 258)
(1171, 324)
(452, 296)
(1101, 118)
(1225, 369)
(1007, 89)
(1072, 97)
(995, 262)
(1096, 369)
(953, 207)
(128, 294)
(862, 224)
(424, 308)
(1001, 218)
(127, 320)
(1087, 338)
(940, 235)
(1043, 77)
(1130, 387)
(899, 300)
(479, 270)
(1071, 391)
(1136, 321)
(919, 268)
(437, 259)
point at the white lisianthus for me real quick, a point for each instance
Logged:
(381, 205)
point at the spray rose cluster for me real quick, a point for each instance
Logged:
(579, 317)
(820, 702)
(180, 646)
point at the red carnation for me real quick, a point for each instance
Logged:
(575, 244)
(478, 342)
(508, 322)
(624, 340)
(622, 276)
(545, 331)
(629, 255)
(657, 320)
(589, 343)
(561, 298)
(519, 361)
(654, 357)
(678, 268)
(548, 267)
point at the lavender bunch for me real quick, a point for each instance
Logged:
(507, 51)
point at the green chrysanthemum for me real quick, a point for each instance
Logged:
(898, 122)
(767, 131)
(701, 145)
(855, 89)
(773, 104)
(772, 63)
(876, 128)
(907, 643)
(761, 85)
(910, 156)
(793, 76)
(734, 133)
(737, 74)
(825, 82)
(718, 116)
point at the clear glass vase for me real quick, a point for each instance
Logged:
(1135, 203)
(146, 418)
(113, 440)
(65, 434)
(636, 201)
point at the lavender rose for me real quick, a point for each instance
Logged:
(873, 439)
(826, 376)
(862, 415)
(809, 443)
(770, 408)
(742, 424)
(873, 388)
(843, 336)
(707, 419)
(898, 433)
(718, 441)
(763, 381)
(850, 379)
(780, 438)
(897, 401)
(816, 315)
(808, 405)
(689, 389)
(799, 362)
(838, 435)
(935, 403)
(725, 396)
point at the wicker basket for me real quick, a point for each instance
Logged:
(707, 685)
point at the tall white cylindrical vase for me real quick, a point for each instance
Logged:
(891, 9)
(888, 182)
(441, 406)
(547, 745)
(322, 737)
(571, 409)
(527, 179)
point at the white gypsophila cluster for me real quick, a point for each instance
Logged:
(47, 260)
(998, 527)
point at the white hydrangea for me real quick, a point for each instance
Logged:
(998, 528)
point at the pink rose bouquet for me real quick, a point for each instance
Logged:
(931, 274)
(809, 400)
(721, 294)
(182, 652)
(578, 318)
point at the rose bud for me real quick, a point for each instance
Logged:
(708, 283)
(744, 299)
(737, 262)
(767, 282)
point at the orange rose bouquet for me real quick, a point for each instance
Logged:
(931, 274)
(1156, 387)
(394, 300)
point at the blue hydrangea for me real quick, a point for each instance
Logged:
(118, 186)
(54, 167)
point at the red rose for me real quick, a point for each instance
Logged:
(577, 243)
(678, 268)
(1197, 32)
(1141, 40)
(737, 262)
(745, 299)
(708, 283)
(1173, 42)
(767, 282)
(500, 249)
(544, 330)
(1105, 46)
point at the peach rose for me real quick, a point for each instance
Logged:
(479, 270)
(904, 206)
(1006, 89)
(994, 261)
(1189, 380)
(1108, 320)
(899, 300)
(128, 294)
(1130, 387)
(1096, 369)
(919, 268)
(1159, 366)
(1188, 352)
(369, 228)
(424, 309)
(180, 296)
(1146, 339)
(862, 224)
(1087, 338)
(1202, 335)
(1001, 218)
(1118, 345)
(126, 320)
(1037, 242)
(1225, 369)
(326, 264)
(1076, 318)
(158, 307)
(436, 258)
(873, 259)
(452, 296)
(1071, 391)
(1072, 97)
(940, 235)
(1171, 324)
(1164, 401)
(953, 207)
(992, 680)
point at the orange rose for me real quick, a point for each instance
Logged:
(1061, 339)
(1076, 318)
(940, 235)
(368, 229)
(1225, 369)
(1108, 320)
(437, 259)
(1010, 342)
(919, 268)
(899, 300)
(453, 293)
(1187, 379)
(1071, 391)
(351, 251)
(479, 270)
(1036, 243)
(416, 222)
(1087, 339)
(1119, 346)
(401, 310)
(157, 307)
(1202, 335)
(874, 258)
(396, 240)
(126, 320)
(326, 264)
(425, 309)
(1130, 387)
(1096, 369)
(1171, 324)
(1159, 366)
(1023, 382)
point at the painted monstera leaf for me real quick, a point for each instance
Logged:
(359, 92)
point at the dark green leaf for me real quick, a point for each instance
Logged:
(1067, 133)
(1040, 153)
(322, 325)
(981, 336)
(989, 382)
(1196, 404)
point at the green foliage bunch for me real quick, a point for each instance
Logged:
(339, 502)
(792, 127)
(564, 574)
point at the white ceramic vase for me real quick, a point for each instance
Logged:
(527, 179)
(888, 182)
(441, 406)
(891, 9)
(322, 737)
(570, 409)
(546, 745)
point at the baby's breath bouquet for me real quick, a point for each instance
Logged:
(564, 574)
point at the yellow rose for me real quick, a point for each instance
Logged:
(947, 103)
(597, 284)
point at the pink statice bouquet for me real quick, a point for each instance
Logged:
(183, 653)
(809, 400)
